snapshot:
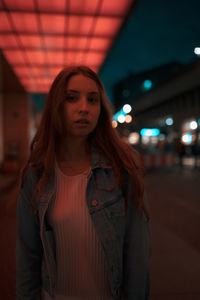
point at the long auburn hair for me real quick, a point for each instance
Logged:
(105, 138)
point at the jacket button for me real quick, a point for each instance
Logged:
(94, 202)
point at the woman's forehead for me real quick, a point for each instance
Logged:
(81, 82)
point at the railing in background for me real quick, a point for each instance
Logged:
(152, 160)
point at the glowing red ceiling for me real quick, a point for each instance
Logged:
(39, 37)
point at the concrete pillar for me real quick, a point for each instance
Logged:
(14, 115)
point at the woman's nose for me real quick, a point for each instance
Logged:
(83, 105)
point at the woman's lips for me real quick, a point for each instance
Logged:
(82, 123)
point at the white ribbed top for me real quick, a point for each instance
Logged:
(81, 265)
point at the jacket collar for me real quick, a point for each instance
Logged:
(98, 160)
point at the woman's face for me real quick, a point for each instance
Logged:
(81, 106)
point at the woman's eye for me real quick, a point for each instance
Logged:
(71, 98)
(93, 99)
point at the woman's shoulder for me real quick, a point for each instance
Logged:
(29, 175)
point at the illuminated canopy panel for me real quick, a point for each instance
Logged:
(39, 37)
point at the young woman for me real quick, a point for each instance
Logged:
(83, 229)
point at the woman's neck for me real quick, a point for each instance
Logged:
(73, 150)
(73, 157)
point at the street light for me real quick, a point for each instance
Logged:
(127, 108)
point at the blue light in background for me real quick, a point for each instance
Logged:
(147, 84)
(169, 121)
(120, 112)
(187, 138)
(149, 132)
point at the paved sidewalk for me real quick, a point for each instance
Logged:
(174, 199)
(8, 200)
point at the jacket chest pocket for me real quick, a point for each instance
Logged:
(116, 209)
(116, 216)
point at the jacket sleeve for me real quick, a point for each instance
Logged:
(136, 255)
(29, 247)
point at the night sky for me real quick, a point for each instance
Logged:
(158, 32)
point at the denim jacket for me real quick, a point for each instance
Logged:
(125, 237)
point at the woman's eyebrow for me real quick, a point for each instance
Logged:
(93, 92)
(73, 91)
(78, 92)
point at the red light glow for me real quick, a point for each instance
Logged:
(39, 37)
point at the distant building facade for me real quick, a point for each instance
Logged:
(170, 103)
